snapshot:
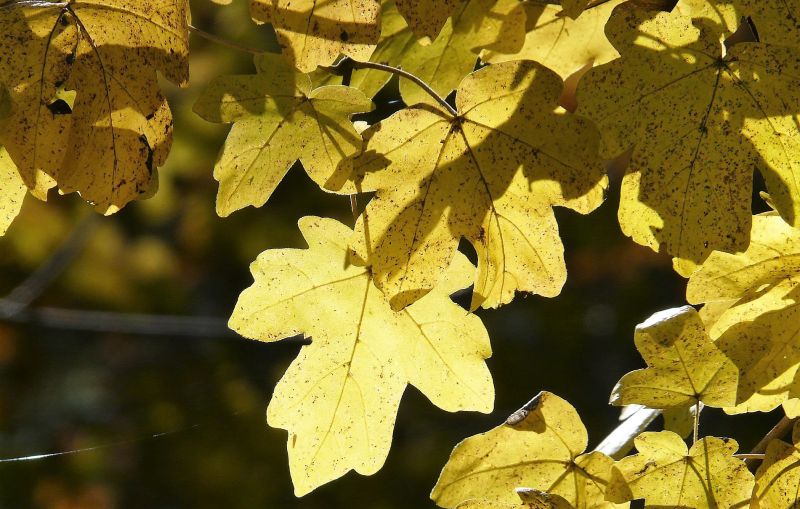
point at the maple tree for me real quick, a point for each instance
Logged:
(480, 145)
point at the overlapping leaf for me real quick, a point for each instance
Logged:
(108, 144)
(563, 44)
(475, 25)
(315, 33)
(667, 474)
(426, 17)
(278, 119)
(778, 476)
(758, 331)
(698, 121)
(339, 398)
(541, 447)
(12, 191)
(684, 365)
(490, 175)
(775, 22)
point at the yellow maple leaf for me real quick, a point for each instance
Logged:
(563, 44)
(426, 17)
(108, 143)
(684, 365)
(541, 447)
(698, 119)
(339, 398)
(666, 473)
(475, 25)
(778, 476)
(12, 191)
(278, 118)
(775, 22)
(490, 175)
(758, 330)
(531, 499)
(314, 33)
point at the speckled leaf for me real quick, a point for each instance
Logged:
(426, 17)
(490, 176)
(314, 33)
(108, 143)
(278, 119)
(778, 476)
(12, 191)
(775, 22)
(540, 446)
(698, 122)
(758, 331)
(667, 474)
(684, 365)
(474, 26)
(339, 398)
(563, 44)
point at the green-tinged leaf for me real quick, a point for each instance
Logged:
(278, 119)
(775, 22)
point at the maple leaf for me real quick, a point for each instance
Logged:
(12, 191)
(490, 175)
(697, 121)
(314, 33)
(758, 329)
(426, 17)
(778, 476)
(278, 118)
(775, 22)
(667, 474)
(108, 143)
(541, 447)
(531, 499)
(475, 25)
(339, 398)
(563, 44)
(684, 365)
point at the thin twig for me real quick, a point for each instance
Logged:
(128, 323)
(749, 456)
(407, 75)
(354, 207)
(34, 285)
(779, 431)
(620, 440)
(224, 42)
(696, 423)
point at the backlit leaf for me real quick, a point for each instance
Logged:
(339, 398)
(109, 142)
(684, 365)
(758, 332)
(278, 118)
(775, 22)
(12, 191)
(490, 176)
(314, 33)
(699, 120)
(561, 43)
(426, 17)
(778, 476)
(541, 447)
(667, 474)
